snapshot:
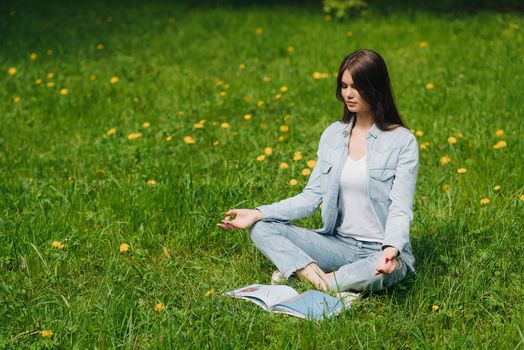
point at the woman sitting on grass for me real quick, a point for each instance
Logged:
(365, 178)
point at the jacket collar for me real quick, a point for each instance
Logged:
(373, 131)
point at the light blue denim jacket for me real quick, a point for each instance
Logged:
(392, 165)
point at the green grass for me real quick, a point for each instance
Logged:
(169, 59)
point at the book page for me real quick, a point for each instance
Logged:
(313, 304)
(263, 295)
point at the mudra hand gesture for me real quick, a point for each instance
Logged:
(244, 218)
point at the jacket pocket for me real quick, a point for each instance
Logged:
(380, 183)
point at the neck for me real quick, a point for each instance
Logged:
(364, 120)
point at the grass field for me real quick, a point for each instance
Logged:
(124, 128)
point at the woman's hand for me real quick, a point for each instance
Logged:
(388, 261)
(244, 218)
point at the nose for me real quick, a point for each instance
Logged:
(349, 93)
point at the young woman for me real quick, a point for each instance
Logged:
(365, 178)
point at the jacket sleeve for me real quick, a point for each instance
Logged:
(400, 215)
(304, 203)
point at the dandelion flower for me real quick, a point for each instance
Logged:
(435, 308)
(306, 171)
(445, 187)
(318, 75)
(248, 117)
(261, 103)
(70, 177)
(499, 133)
(124, 247)
(484, 201)
(290, 49)
(134, 135)
(100, 171)
(225, 125)
(284, 128)
(452, 140)
(328, 17)
(51, 84)
(114, 80)
(216, 143)
(49, 52)
(462, 170)
(500, 144)
(311, 163)
(100, 46)
(242, 66)
(146, 125)
(159, 307)
(259, 30)
(165, 252)
(227, 86)
(261, 157)
(444, 160)
(283, 165)
(64, 91)
(419, 133)
(189, 140)
(521, 197)
(287, 118)
(198, 126)
(293, 182)
(47, 333)
(11, 70)
(458, 135)
(33, 56)
(422, 44)
(297, 156)
(58, 245)
(268, 151)
(169, 138)
(92, 77)
(222, 94)
(181, 114)
(50, 75)
(210, 292)
(430, 86)
(349, 34)
(281, 138)
(17, 99)
(424, 145)
(111, 132)
(283, 88)
(278, 96)
(496, 188)
(38, 81)
(151, 182)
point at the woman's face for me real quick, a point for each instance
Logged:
(352, 98)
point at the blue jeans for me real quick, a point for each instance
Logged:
(291, 248)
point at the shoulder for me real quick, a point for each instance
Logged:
(333, 129)
(398, 136)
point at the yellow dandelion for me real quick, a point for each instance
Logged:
(500, 144)
(222, 94)
(11, 70)
(496, 188)
(290, 49)
(278, 96)
(435, 308)
(521, 197)
(33, 56)
(134, 135)
(189, 140)
(452, 140)
(430, 86)
(70, 178)
(225, 125)
(284, 128)
(283, 88)
(462, 170)
(261, 103)
(281, 138)
(47, 333)
(261, 157)
(165, 252)
(293, 182)
(422, 44)
(283, 165)
(306, 171)
(169, 138)
(242, 66)
(111, 131)
(198, 126)
(181, 114)
(64, 91)
(227, 86)
(216, 143)
(499, 133)
(114, 80)
(259, 30)
(51, 84)
(58, 245)
(297, 155)
(311, 163)
(424, 145)
(49, 52)
(146, 125)
(159, 307)
(17, 99)
(100, 46)
(50, 75)
(458, 135)
(445, 187)
(100, 171)
(419, 133)
(317, 75)
(328, 17)
(268, 151)
(248, 117)
(38, 81)
(484, 201)
(151, 182)
(124, 247)
(92, 77)
(349, 34)
(287, 118)
(210, 292)
(444, 160)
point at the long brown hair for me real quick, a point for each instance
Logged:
(371, 79)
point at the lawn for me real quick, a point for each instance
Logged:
(129, 128)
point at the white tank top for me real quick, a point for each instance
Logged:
(357, 218)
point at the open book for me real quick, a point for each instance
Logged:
(311, 305)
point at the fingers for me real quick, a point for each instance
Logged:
(388, 266)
